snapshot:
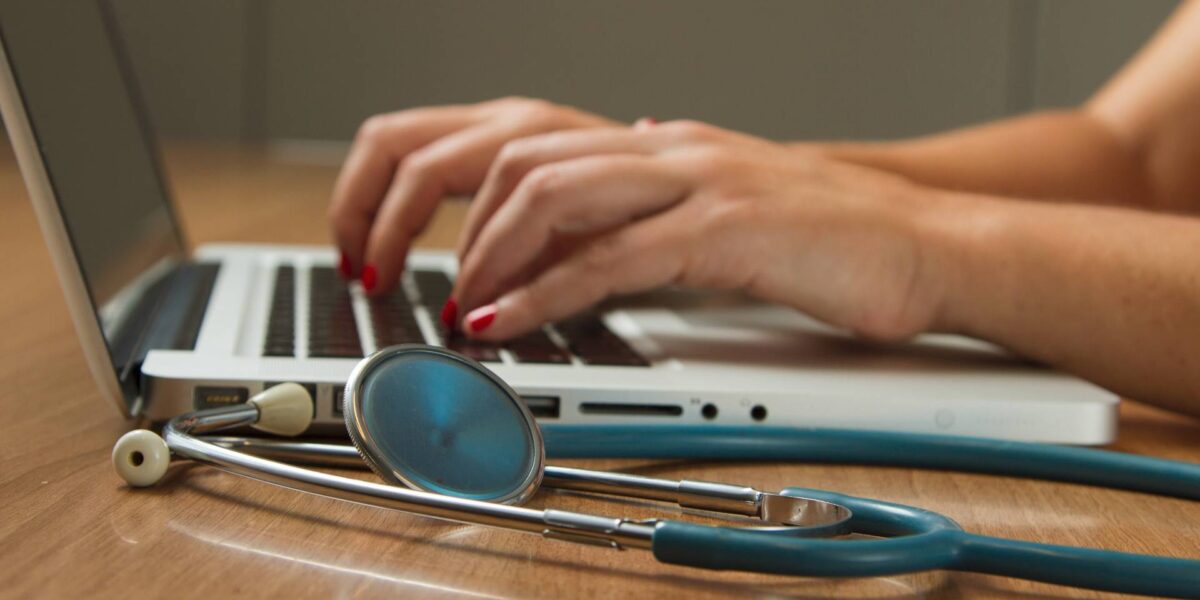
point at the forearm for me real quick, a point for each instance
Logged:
(1062, 155)
(1112, 295)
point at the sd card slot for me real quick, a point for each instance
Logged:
(632, 410)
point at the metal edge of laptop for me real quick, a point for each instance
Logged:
(62, 251)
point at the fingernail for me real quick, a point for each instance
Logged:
(450, 314)
(480, 318)
(645, 122)
(344, 266)
(370, 277)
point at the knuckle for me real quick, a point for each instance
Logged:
(420, 165)
(512, 159)
(539, 185)
(511, 101)
(725, 215)
(710, 161)
(691, 130)
(373, 130)
(529, 111)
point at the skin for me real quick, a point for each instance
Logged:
(1065, 236)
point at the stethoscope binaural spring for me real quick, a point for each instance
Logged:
(432, 420)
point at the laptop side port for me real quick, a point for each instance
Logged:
(543, 407)
(632, 410)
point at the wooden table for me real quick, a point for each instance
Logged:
(69, 527)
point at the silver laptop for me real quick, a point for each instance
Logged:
(166, 331)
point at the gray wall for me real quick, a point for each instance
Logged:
(313, 69)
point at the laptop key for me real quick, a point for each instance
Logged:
(537, 347)
(595, 344)
(279, 350)
(398, 335)
(336, 352)
(280, 339)
(393, 322)
(434, 287)
(332, 329)
(481, 351)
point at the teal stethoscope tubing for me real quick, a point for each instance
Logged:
(881, 448)
(919, 540)
(915, 539)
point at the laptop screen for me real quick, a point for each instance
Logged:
(70, 72)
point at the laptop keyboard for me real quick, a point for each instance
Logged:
(333, 333)
(281, 329)
(393, 321)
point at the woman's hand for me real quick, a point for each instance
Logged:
(402, 164)
(566, 219)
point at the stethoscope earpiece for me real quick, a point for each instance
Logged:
(141, 458)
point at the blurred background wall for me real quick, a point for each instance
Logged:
(279, 70)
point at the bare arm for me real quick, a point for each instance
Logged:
(1110, 294)
(1136, 143)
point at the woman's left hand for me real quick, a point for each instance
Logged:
(565, 219)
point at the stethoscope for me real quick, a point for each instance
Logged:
(455, 442)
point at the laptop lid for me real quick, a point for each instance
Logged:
(84, 147)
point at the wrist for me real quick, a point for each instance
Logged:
(883, 156)
(961, 241)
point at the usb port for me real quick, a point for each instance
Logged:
(542, 407)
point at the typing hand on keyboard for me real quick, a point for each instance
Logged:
(692, 204)
(586, 337)
(403, 163)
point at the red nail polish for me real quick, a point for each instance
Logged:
(344, 266)
(370, 277)
(450, 314)
(645, 122)
(480, 318)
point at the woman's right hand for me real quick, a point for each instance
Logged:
(402, 164)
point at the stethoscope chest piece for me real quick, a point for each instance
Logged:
(426, 418)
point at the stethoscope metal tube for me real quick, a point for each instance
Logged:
(816, 518)
(557, 524)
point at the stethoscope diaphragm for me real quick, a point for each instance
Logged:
(427, 418)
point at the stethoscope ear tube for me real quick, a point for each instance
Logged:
(882, 448)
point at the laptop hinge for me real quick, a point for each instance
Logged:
(136, 407)
(171, 319)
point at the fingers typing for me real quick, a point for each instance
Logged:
(580, 196)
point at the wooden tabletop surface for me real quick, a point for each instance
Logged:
(69, 527)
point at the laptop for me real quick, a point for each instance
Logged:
(167, 329)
